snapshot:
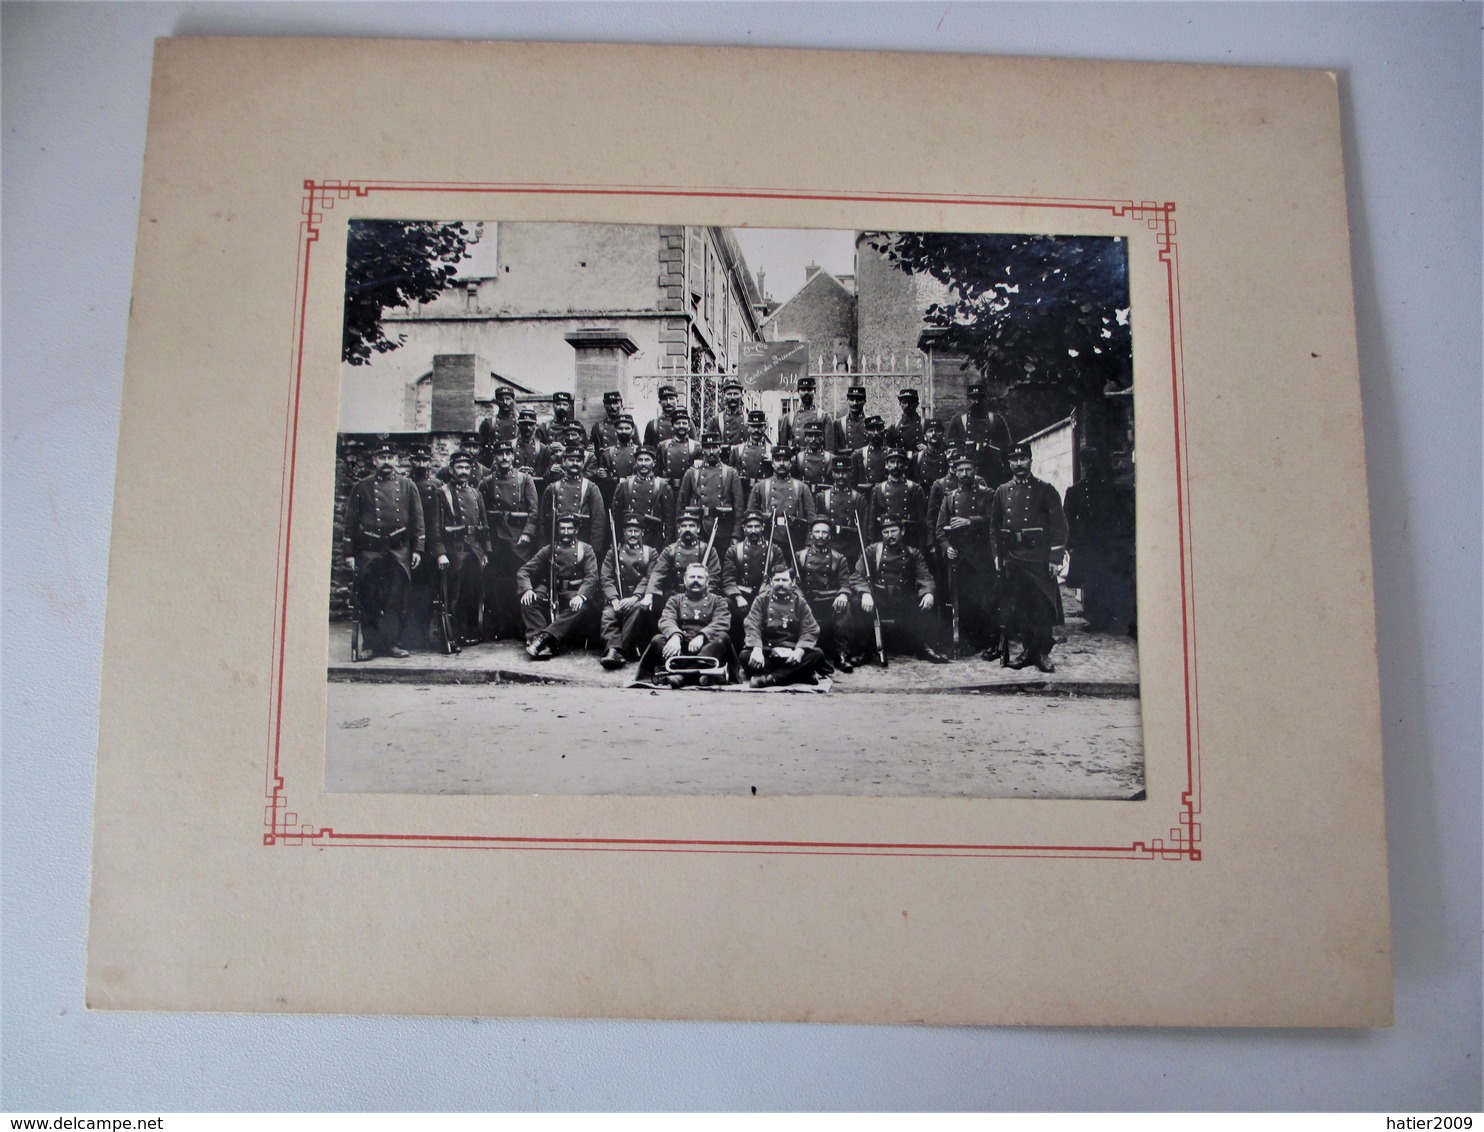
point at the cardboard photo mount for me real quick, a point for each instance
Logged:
(1247, 889)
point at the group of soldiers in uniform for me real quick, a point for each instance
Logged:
(718, 558)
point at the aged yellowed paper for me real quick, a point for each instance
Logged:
(1247, 888)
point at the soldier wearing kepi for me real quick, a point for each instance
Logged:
(716, 489)
(750, 458)
(511, 502)
(794, 428)
(931, 462)
(814, 461)
(787, 501)
(648, 496)
(466, 543)
(555, 426)
(502, 426)
(849, 510)
(667, 575)
(424, 585)
(384, 540)
(966, 548)
(908, 432)
(743, 568)
(870, 458)
(605, 432)
(847, 433)
(897, 495)
(628, 611)
(828, 582)
(575, 495)
(680, 453)
(731, 423)
(559, 592)
(1030, 532)
(983, 434)
(900, 590)
(781, 634)
(616, 462)
(659, 430)
(530, 450)
(693, 623)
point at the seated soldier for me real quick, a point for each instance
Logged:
(558, 592)
(828, 583)
(628, 617)
(901, 591)
(781, 634)
(744, 568)
(667, 575)
(693, 624)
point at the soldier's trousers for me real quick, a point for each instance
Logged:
(502, 617)
(787, 672)
(654, 656)
(419, 629)
(739, 616)
(905, 627)
(568, 625)
(381, 599)
(837, 635)
(465, 593)
(629, 631)
(971, 582)
(1027, 614)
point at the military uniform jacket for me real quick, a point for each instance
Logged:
(632, 574)
(716, 489)
(576, 571)
(466, 525)
(742, 567)
(667, 575)
(773, 622)
(604, 434)
(868, 466)
(1027, 521)
(385, 516)
(659, 430)
(906, 434)
(676, 458)
(530, 456)
(813, 467)
(825, 574)
(790, 498)
(793, 425)
(976, 541)
(708, 617)
(582, 499)
(849, 510)
(988, 437)
(750, 460)
(511, 503)
(617, 460)
(502, 428)
(897, 573)
(430, 496)
(547, 427)
(652, 498)
(732, 426)
(846, 434)
(930, 464)
(906, 499)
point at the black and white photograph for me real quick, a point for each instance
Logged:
(667, 509)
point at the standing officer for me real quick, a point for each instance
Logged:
(870, 457)
(828, 583)
(425, 574)
(792, 428)
(384, 539)
(575, 495)
(787, 502)
(750, 458)
(605, 432)
(559, 592)
(659, 430)
(931, 462)
(716, 489)
(848, 509)
(731, 422)
(555, 426)
(966, 549)
(1030, 532)
(530, 450)
(502, 426)
(693, 623)
(814, 461)
(666, 576)
(907, 434)
(848, 433)
(680, 453)
(466, 544)
(900, 590)
(897, 495)
(616, 461)
(743, 568)
(985, 435)
(510, 501)
(644, 494)
(628, 611)
(781, 633)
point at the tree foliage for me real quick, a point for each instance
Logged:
(391, 264)
(1027, 310)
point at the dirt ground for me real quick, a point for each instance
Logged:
(542, 739)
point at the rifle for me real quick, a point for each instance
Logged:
(871, 589)
(355, 618)
(617, 565)
(953, 592)
(445, 620)
(551, 594)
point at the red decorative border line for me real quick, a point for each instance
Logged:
(285, 827)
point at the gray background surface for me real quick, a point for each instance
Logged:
(75, 89)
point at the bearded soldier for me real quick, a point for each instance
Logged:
(1030, 532)
(900, 590)
(605, 433)
(555, 426)
(716, 489)
(750, 458)
(897, 495)
(511, 502)
(558, 592)
(870, 458)
(384, 540)
(813, 463)
(530, 450)
(693, 623)
(829, 583)
(908, 432)
(731, 423)
(781, 633)
(680, 453)
(847, 509)
(793, 430)
(502, 426)
(966, 548)
(575, 495)
(616, 462)
(743, 568)
(659, 430)
(648, 496)
(983, 434)
(787, 502)
(931, 462)
(667, 574)
(628, 611)
(848, 433)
